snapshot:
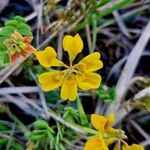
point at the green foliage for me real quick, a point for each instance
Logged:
(3, 127)
(71, 114)
(15, 24)
(41, 132)
(106, 94)
(82, 114)
(14, 145)
(4, 58)
(24, 29)
(95, 11)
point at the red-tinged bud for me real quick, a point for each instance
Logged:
(13, 57)
(27, 39)
(22, 46)
(22, 54)
(29, 48)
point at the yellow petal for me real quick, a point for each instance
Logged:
(132, 147)
(91, 62)
(98, 122)
(111, 140)
(110, 120)
(47, 57)
(88, 81)
(51, 80)
(69, 88)
(73, 45)
(95, 143)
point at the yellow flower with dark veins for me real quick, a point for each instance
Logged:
(19, 46)
(74, 76)
(132, 147)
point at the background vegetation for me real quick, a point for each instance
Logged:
(118, 29)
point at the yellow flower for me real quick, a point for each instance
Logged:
(95, 143)
(74, 76)
(102, 123)
(132, 147)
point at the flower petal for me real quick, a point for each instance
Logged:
(98, 122)
(91, 62)
(132, 147)
(95, 143)
(47, 57)
(73, 45)
(111, 118)
(88, 81)
(50, 80)
(69, 88)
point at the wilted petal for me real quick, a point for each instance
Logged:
(73, 45)
(95, 143)
(51, 80)
(91, 62)
(88, 81)
(47, 57)
(69, 88)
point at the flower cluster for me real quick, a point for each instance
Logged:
(74, 76)
(18, 46)
(107, 135)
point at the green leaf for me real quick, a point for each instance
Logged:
(17, 146)
(115, 7)
(24, 29)
(106, 94)
(19, 19)
(2, 38)
(13, 23)
(4, 56)
(3, 48)
(37, 134)
(7, 31)
(52, 96)
(3, 127)
(50, 134)
(82, 114)
(2, 141)
(40, 124)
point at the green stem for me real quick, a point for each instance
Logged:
(75, 127)
(82, 114)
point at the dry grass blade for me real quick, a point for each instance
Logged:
(122, 26)
(17, 90)
(122, 112)
(128, 70)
